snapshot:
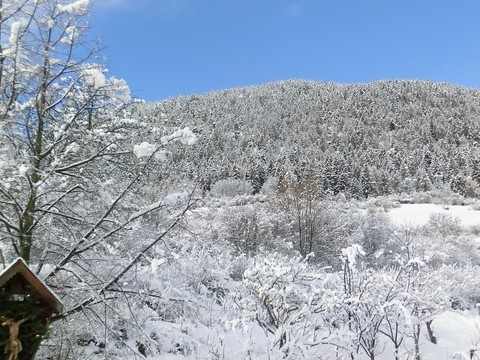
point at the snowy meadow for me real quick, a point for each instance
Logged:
(398, 281)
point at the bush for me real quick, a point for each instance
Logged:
(270, 186)
(471, 187)
(476, 205)
(231, 188)
(422, 198)
(242, 228)
(374, 233)
(250, 228)
(444, 225)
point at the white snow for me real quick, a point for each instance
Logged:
(79, 6)
(155, 264)
(94, 77)
(15, 30)
(51, 23)
(185, 136)
(121, 91)
(176, 198)
(144, 149)
(419, 214)
(457, 333)
(72, 35)
(72, 148)
(22, 170)
(351, 253)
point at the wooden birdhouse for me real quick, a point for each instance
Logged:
(26, 307)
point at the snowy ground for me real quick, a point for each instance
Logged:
(457, 332)
(418, 214)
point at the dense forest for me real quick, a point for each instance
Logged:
(362, 140)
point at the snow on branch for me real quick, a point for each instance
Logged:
(79, 6)
(94, 77)
(72, 35)
(145, 149)
(185, 136)
(15, 29)
(351, 253)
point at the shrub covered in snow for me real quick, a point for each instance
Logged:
(231, 188)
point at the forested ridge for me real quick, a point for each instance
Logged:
(360, 139)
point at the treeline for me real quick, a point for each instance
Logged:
(362, 140)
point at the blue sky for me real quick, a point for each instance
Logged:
(166, 48)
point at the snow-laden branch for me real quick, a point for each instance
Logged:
(100, 154)
(129, 266)
(145, 149)
(79, 7)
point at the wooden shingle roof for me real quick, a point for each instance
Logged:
(20, 267)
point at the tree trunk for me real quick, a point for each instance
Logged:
(27, 221)
(416, 336)
(431, 335)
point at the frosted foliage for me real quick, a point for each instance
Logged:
(198, 298)
(72, 35)
(270, 186)
(94, 77)
(144, 149)
(443, 224)
(22, 170)
(359, 139)
(351, 253)
(79, 7)
(66, 138)
(231, 188)
(16, 27)
(184, 136)
(72, 148)
(155, 264)
(176, 198)
(119, 90)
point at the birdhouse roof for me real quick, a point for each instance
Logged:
(20, 267)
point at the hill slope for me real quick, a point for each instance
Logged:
(363, 140)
